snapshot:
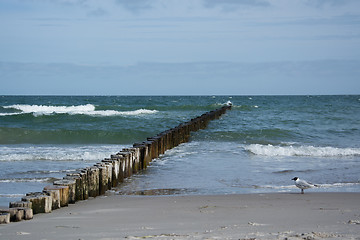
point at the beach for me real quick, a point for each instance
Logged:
(241, 216)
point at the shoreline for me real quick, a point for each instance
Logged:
(329, 215)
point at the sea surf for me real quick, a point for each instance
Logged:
(258, 146)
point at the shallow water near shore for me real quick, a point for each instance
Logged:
(228, 168)
(258, 146)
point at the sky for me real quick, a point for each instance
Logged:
(182, 47)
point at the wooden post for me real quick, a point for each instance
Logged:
(72, 188)
(103, 180)
(127, 162)
(41, 203)
(55, 196)
(28, 213)
(85, 183)
(93, 181)
(63, 194)
(4, 217)
(16, 214)
(115, 162)
(142, 154)
(25, 206)
(79, 188)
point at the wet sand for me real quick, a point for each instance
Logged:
(247, 216)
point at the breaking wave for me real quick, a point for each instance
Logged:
(88, 109)
(19, 180)
(57, 153)
(307, 151)
(318, 186)
(11, 195)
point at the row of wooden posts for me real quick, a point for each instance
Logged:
(96, 180)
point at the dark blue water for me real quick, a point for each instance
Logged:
(258, 146)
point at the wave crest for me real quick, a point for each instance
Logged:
(57, 153)
(88, 109)
(307, 151)
(24, 180)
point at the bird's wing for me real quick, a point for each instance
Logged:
(303, 184)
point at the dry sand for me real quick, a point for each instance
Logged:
(248, 216)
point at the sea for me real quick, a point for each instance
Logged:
(256, 147)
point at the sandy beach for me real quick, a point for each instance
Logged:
(247, 216)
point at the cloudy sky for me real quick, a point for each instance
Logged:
(184, 47)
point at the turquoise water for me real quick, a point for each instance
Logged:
(258, 146)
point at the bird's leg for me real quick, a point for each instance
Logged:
(302, 191)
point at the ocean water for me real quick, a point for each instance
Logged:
(258, 146)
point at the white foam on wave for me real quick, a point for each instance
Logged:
(138, 112)
(326, 185)
(308, 151)
(337, 185)
(18, 180)
(15, 195)
(47, 110)
(9, 114)
(57, 153)
(88, 109)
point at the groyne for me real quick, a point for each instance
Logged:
(109, 173)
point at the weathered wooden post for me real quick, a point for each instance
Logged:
(148, 153)
(84, 182)
(28, 213)
(4, 217)
(141, 149)
(55, 196)
(72, 188)
(154, 147)
(63, 194)
(16, 214)
(122, 173)
(79, 188)
(41, 203)
(103, 178)
(93, 181)
(109, 167)
(25, 206)
(134, 159)
(115, 162)
(160, 138)
(127, 162)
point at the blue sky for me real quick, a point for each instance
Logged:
(166, 47)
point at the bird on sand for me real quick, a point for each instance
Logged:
(302, 184)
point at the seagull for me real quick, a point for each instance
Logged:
(302, 184)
